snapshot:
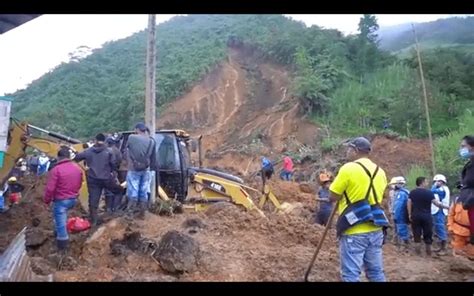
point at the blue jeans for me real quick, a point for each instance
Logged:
(285, 175)
(359, 250)
(402, 231)
(439, 223)
(60, 209)
(138, 185)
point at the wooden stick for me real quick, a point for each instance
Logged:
(427, 112)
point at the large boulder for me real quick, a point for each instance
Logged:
(177, 252)
(35, 237)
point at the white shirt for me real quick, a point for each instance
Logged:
(435, 209)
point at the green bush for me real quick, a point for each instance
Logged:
(415, 172)
(329, 144)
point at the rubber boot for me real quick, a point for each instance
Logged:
(428, 249)
(406, 246)
(109, 203)
(62, 246)
(142, 207)
(131, 206)
(418, 248)
(117, 201)
(442, 249)
(94, 218)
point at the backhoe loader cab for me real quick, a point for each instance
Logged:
(173, 149)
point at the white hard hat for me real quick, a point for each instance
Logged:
(440, 177)
(397, 180)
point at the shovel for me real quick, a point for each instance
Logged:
(320, 243)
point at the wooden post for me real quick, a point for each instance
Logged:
(150, 98)
(425, 96)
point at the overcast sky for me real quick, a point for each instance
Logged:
(36, 47)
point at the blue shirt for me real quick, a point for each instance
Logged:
(400, 203)
(325, 204)
(266, 163)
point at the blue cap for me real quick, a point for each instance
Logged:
(141, 126)
(361, 144)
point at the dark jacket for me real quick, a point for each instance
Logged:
(100, 160)
(140, 148)
(118, 157)
(466, 196)
(467, 174)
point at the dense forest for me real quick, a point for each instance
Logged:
(350, 84)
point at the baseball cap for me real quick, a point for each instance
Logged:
(361, 144)
(141, 126)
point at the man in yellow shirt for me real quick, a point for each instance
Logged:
(359, 187)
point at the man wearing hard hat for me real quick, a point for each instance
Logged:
(442, 194)
(400, 210)
(325, 204)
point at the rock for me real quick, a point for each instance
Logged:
(35, 237)
(177, 252)
(41, 266)
(194, 223)
(62, 262)
(131, 241)
(307, 188)
(36, 222)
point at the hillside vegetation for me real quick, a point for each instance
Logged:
(349, 84)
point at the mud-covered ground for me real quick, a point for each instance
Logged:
(234, 245)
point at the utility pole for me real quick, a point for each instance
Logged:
(425, 96)
(150, 97)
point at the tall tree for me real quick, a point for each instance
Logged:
(368, 28)
(367, 52)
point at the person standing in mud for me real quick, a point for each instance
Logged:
(101, 163)
(325, 204)
(287, 171)
(359, 189)
(400, 213)
(62, 189)
(419, 214)
(113, 199)
(442, 194)
(267, 168)
(141, 154)
(466, 195)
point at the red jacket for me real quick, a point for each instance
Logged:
(64, 181)
(288, 164)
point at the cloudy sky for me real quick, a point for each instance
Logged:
(29, 51)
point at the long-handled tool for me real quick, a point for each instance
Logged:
(320, 243)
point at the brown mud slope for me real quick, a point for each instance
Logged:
(241, 100)
(244, 109)
(396, 157)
